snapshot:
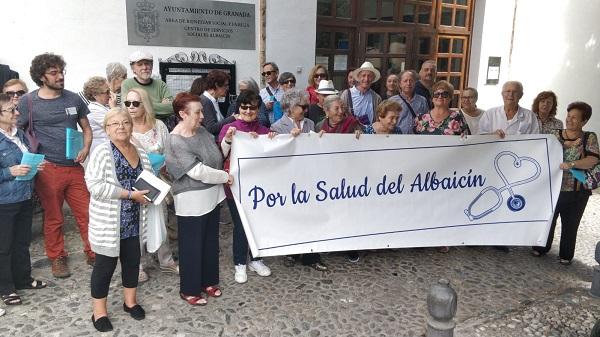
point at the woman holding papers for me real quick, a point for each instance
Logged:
(580, 152)
(15, 208)
(151, 135)
(196, 166)
(117, 215)
(248, 102)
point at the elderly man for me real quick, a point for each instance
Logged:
(141, 64)
(469, 110)
(272, 93)
(361, 99)
(427, 76)
(412, 104)
(51, 110)
(510, 118)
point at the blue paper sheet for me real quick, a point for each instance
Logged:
(157, 160)
(33, 160)
(578, 174)
(74, 143)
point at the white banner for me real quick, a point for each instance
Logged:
(311, 194)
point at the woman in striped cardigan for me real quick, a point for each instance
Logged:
(117, 215)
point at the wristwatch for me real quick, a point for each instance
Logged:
(572, 164)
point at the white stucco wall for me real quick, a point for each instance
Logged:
(556, 47)
(90, 33)
(291, 33)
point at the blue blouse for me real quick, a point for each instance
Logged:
(130, 210)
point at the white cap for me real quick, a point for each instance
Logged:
(140, 55)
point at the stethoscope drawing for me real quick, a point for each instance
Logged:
(515, 202)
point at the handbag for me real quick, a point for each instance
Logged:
(34, 143)
(592, 176)
(156, 231)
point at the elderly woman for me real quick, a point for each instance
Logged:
(116, 73)
(315, 111)
(96, 91)
(337, 121)
(469, 110)
(196, 165)
(294, 104)
(317, 74)
(392, 86)
(250, 84)
(217, 86)
(117, 215)
(544, 107)
(287, 81)
(388, 114)
(16, 208)
(247, 122)
(15, 88)
(441, 120)
(580, 151)
(151, 135)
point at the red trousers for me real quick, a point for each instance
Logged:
(54, 185)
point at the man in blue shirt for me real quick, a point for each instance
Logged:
(361, 100)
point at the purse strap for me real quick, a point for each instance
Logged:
(30, 106)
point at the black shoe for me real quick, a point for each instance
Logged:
(289, 260)
(137, 312)
(353, 256)
(319, 266)
(502, 248)
(102, 324)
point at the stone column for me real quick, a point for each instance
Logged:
(441, 305)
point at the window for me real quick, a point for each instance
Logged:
(451, 62)
(454, 13)
(417, 11)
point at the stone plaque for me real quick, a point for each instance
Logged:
(191, 23)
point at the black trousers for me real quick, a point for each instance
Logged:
(15, 237)
(570, 207)
(198, 252)
(104, 268)
(240, 242)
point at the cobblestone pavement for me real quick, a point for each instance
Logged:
(499, 294)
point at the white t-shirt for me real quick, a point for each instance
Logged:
(473, 122)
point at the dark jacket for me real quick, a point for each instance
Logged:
(210, 117)
(12, 190)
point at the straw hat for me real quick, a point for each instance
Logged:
(326, 88)
(367, 66)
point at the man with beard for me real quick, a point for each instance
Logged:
(51, 110)
(427, 76)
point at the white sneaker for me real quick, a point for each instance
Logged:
(2, 312)
(259, 267)
(240, 273)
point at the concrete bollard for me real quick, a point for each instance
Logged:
(441, 305)
(595, 289)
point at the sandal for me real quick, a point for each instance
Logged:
(213, 291)
(35, 284)
(193, 300)
(11, 299)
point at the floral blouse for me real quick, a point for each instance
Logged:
(130, 210)
(549, 125)
(453, 125)
(370, 130)
(575, 152)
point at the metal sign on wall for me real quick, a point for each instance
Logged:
(191, 23)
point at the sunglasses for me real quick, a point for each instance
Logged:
(248, 107)
(134, 103)
(320, 76)
(268, 73)
(441, 94)
(289, 82)
(18, 93)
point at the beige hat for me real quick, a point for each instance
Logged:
(140, 55)
(326, 88)
(367, 66)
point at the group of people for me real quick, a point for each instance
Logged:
(131, 125)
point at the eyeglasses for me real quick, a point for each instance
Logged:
(134, 103)
(441, 94)
(467, 97)
(303, 106)
(18, 93)
(56, 72)
(107, 92)
(289, 82)
(320, 75)
(124, 124)
(248, 107)
(268, 73)
(12, 110)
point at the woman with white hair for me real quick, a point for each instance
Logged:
(116, 73)
(295, 105)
